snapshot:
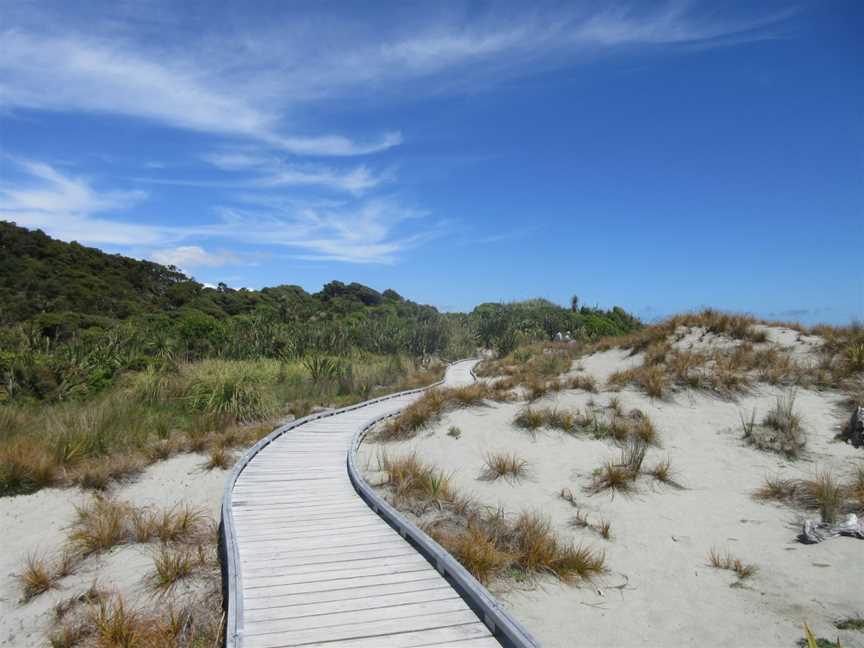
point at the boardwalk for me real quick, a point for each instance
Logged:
(310, 564)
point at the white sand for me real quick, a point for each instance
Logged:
(39, 522)
(659, 590)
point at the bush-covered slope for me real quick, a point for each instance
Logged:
(73, 317)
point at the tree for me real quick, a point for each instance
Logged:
(574, 303)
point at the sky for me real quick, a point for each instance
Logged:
(658, 156)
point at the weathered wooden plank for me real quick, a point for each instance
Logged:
(354, 603)
(352, 594)
(365, 629)
(253, 579)
(354, 617)
(452, 635)
(339, 584)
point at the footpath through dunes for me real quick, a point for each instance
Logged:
(307, 562)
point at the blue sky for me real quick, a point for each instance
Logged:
(661, 157)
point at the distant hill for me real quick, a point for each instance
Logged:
(65, 286)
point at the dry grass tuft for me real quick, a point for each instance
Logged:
(663, 473)
(101, 524)
(477, 550)
(823, 493)
(584, 382)
(170, 565)
(430, 407)
(788, 434)
(502, 464)
(416, 483)
(219, 457)
(530, 419)
(727, 561)
(36, 577)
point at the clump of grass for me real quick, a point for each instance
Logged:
(218, 457)
(612, 476)
(37, 577)
(101, 524)
(170, 565)
(430, 407)
(454, 432)
(584, 382)
(530, 419)
(538, 549)
(228, 389)
(783, 420)
(414, 482)
(621, 475)
(824, 493)
(180, 523)
(662, 471)
(502, 464)
(560, 419)
(604, 528)
(728, 562)
(477, 550)
(25, 467)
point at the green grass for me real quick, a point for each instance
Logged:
(149, 415)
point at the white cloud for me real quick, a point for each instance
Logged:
(244, 78)
(370, 231)
(83, 74)
(272, 172)
(186, 257)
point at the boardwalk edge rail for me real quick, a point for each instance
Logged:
(506, 629)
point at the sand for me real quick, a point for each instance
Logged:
(659, 589)
(39, 522)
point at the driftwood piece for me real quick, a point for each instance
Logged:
(813, 531)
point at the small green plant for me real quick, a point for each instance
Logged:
(454, 432)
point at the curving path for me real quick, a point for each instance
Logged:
(307, 562)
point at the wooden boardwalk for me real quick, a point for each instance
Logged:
(313, 565)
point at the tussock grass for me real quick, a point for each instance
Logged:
(621, 475)
(101, 525)
(104, 523)
(503, 464)
(454, 432)
(584, 382)
(171, 565)
(429, 408)
(476, 549)
(219, 457)
(530, 419)
(36, 577)
(526, 544)
(415, 483)
(823, 492)
(786, 424)
(729, 562)
(663, 472)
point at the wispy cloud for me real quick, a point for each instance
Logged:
(187, 257)
(74, 73)
(273, 172)
(367, 231)
(248, 81)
